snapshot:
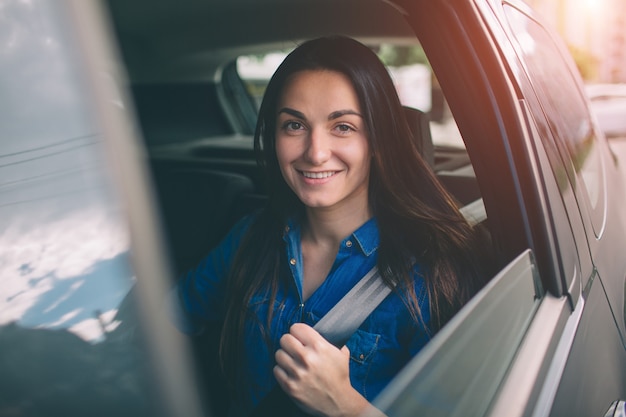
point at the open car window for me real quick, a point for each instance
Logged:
(415, 83)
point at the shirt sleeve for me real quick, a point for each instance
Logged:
(198, 295)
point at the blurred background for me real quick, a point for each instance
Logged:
(595, 31)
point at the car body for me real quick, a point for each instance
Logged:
(126, 152)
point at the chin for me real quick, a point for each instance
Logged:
(317, 203)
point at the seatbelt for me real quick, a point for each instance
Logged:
(336, 326)
(347, 315)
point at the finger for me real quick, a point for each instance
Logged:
(305, 334)
(285, 361)
(291, 345)
(282, 377)
(286, 383)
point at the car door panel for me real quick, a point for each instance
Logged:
(590, 382)
(521, 391)
(459, 371)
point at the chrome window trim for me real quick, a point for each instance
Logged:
(528, 367)
(555, 372)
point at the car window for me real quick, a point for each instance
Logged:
(566, 113)
(71, 337)
(179, 111)
(414, 80)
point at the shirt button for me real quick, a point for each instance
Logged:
(349, 244)
(286, 229)
(292, 261)
(361, 356)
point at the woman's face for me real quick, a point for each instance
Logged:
(321, 141)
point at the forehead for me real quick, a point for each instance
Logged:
(324, 85)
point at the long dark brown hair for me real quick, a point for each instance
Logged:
(418, 220)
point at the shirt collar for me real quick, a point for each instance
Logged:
(366, 235)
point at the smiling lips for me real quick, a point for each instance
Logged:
(317, 175)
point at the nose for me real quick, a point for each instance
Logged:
(318, 147)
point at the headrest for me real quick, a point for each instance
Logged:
(419, 123)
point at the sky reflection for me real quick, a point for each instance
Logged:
(64, 245)
(68, 273)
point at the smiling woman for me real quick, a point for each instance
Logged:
(348, 190)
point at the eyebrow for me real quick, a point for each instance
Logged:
(294, 113)
(337, 114)
(334, 115)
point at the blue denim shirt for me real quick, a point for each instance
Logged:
(382, 345)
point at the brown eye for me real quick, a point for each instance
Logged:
(344, 128)
(292, 125)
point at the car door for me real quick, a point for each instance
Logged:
(585, 160)
(516, 349)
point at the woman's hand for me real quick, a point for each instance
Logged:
(316, 374)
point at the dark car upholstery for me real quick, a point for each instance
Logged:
(198, 208)
(171, 112)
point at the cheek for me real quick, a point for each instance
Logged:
(366, 168)
(283, 154)
(365, 157)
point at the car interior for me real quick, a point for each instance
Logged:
(129, 155)
(196, 106)
(197, 115)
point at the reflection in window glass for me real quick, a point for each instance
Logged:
(69, 332)
(70, 339)
(565, 110)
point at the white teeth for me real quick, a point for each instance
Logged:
(318, 175)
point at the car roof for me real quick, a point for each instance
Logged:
(191, 39)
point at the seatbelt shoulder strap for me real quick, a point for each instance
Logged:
(347, 315)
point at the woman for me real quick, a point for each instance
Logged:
(348, 190)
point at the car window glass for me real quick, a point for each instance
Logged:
(566, 112)
(69, 332)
